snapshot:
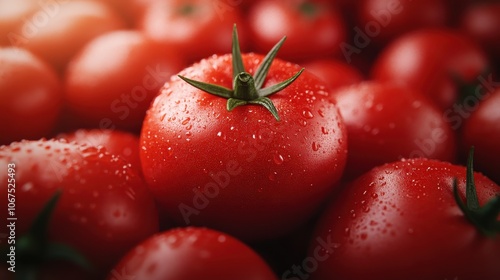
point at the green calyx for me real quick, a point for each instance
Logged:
(247, 89)
(33, 249)
(485, 218)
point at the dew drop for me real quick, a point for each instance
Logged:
(315, 146)
(324, 130)
(306, 113)
(278, 159)
(185, 121)
(163, 117)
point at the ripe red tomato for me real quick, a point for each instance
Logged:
(105, 208)
(58, 29)
(30, 96)
(389, 19)
(401, 221)
(482, 130)
(481, 22)
(242, 171)
(314, 29)
(334, 73)
(386, 122)
(195, 28)
(118, 93)
(192, 253)
(430, 60)
(116, 142)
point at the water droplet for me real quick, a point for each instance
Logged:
(306, 113)
(185, 121)
(321, 113)
(219, 134)
(324, 130)
(278, 159)
(272, 176)
(163, 117)
(315, 146)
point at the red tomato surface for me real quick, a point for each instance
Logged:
(116, 94)
(400, 221)
(482, 130)
(314, 29)
(428, 60)
(195, 28)
(242, 171)
(387, 121)
(105, 208)
(192, 253)
(334, 73)
(389, 19)
(58, 29)
(116, 142)
(30, 96)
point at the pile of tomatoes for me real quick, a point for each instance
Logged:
(155, 139)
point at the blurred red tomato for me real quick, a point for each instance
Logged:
(313, 28)
(334, 73)
(57, 29)
(482, 22)
(30, 96)
(112, 80)
(431, 60)
(195, 28)
(388, 19)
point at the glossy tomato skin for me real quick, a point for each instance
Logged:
(314, 29)
(387, 121)
(105, 208)
(195, 28)
(242, 171)
(118, 93)
(116, 142)
(482, 130)
(334, 73)
(58, 29)
(30, 96)
(396, 18)
(400, 221)
(192, 253)
(427, 60)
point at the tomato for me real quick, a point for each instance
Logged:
(401, 221)
(431, 61)
(482, 130)
(118, 93)
(386, 122)
(105, 208)
(334, 72)
(192, 253)
(116, 142)
(481, 22)
(59, 28)
(389, 19)
(313, 28)
(195, 28)
(242, 171)
(30, 96)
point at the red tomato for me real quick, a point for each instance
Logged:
(195, 28)
(120, 143)
(192, 253)
(241, 171)
(105, 208)
(118, 93)
(482, 22)
(334, 73)
(428, 60)
(388, 19)
(314, 29)
(59, 28)
(482, 130)
(386, 122)
(401, 221)
(30, 96)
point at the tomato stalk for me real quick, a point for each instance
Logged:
(485, 218)
(33, 249)
(247, 89)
